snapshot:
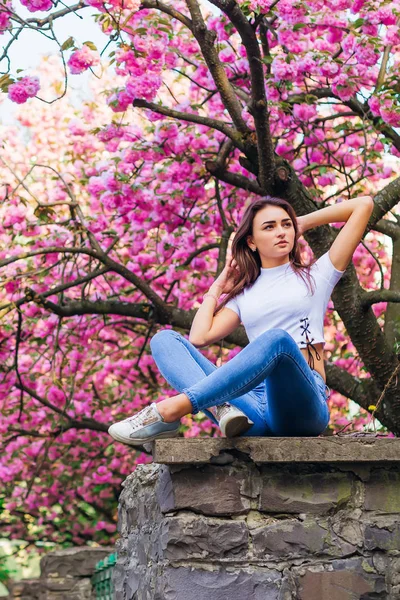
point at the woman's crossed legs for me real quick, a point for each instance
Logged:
(269, 381)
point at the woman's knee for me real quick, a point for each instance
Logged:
(277, 335)
(163, 336)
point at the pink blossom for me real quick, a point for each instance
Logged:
(5, 16)
(291, 12)
(335, 35)
(25, 88)
(145, 86)
(327, 179)
(329, 68)
(34, 5)
(341, 86)
(283, 70)
(119, 101)
(82, 59)
(357, 5)
(366, 55)
(384, 15)
(391, 116)
(392, 35)
(375, 106)
(304, 112)
(11, 287)
(55, 395)
(261, 6)
(227, 55)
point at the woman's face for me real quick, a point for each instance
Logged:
(271, 226)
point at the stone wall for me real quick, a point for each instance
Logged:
(307, 520)
(64, 575)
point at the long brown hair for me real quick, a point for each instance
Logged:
(249, 262)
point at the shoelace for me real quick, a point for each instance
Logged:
(222, 410)
(138, 418)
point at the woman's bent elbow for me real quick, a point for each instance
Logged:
(196, 343)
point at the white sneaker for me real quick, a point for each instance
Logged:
(232, 421)
(145, 426)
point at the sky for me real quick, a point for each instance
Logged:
(28, 50)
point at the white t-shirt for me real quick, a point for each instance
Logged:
(281, 299)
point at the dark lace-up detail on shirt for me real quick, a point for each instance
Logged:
(304, 325)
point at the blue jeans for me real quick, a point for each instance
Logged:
(269, 380)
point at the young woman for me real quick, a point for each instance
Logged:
(276, 385)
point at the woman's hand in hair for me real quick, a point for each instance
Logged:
(228, 277)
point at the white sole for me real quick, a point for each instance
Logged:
(136, 442)
(236, 426)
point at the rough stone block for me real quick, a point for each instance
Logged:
(190, 536)
(350, 580)
(289, 538)
(382, 491)
(210, 490)
(137, 501)
(28, 589)
(206, 584)
(313, 493)
(382, 537)
(72, 562)
(325, 449)
(80, 590)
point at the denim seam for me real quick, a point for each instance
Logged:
(195, 406)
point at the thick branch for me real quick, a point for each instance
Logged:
(233, 178)
(384, 201)
(362, 391)
(106, 260)
(170, 316)
(190, 118)
(361, 110)
(392, 313)
(388, 228)
(168, 10)
(206, 40)
(258, 106)
(376, 296)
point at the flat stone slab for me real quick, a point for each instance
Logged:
(325, 449)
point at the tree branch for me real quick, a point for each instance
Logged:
(362, 110)
(208, 122)
(385, 200)
(169, 10)
(388, 228)
(56, 15)
(233, 178)
(258, 106)
(106, 260)
(376, 296)
(206, 40)
(362, 391)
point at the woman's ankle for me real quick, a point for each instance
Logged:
(172, 409)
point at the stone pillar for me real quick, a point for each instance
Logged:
(64, 575)
(262, 519)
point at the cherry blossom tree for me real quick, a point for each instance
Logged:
(116, 218)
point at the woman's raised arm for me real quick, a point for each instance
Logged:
(355, 213)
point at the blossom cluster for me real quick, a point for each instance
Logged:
(5, 13)
(80, 60)
(37, 5)
(23, 89)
